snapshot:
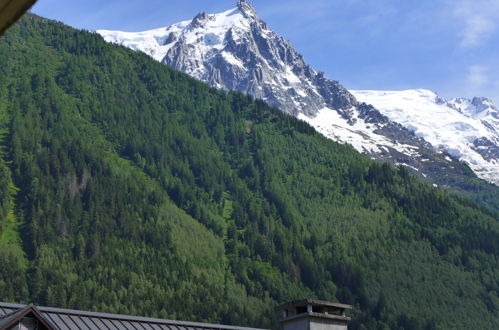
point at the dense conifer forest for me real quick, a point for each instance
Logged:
(128, 187)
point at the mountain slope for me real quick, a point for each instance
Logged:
(235, 50)
(466, 129)
(140, 190)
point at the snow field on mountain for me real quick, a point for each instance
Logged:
(433, 118)
(360, 135)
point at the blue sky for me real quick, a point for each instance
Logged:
(449, 46)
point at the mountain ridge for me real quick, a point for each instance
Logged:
(235, 50)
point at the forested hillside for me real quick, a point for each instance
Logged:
(128, 187)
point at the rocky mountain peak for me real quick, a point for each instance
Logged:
(246, 9)
(199, 19)
(483, 103)
(478, 107)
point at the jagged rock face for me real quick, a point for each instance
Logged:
(235, 50)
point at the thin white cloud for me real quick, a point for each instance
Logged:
(478, 29)
(477, 19)
(477, 76)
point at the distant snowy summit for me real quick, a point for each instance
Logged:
(235, 50)
(466, 129)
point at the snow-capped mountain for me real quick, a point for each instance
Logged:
(466, 129)
(236, 50)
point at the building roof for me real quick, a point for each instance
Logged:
(11, 10)
(66, 319)
(11, 319)
(314, 302)
(313, 309)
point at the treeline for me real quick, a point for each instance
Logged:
(126, 186)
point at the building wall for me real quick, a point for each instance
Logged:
(325, 324)
(300, 324)
(27, 323)
(314, 324)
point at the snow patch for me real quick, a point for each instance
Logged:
(357, 132)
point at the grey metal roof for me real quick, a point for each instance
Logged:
(68, 319)
(15, 318)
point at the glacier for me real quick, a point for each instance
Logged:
(467, 129)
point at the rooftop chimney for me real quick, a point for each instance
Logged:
(310, 314)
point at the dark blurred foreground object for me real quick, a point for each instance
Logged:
(11, 10)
